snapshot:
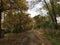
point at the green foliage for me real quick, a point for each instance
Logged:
(51, 36)
(53, 9)
(44, 22)
(53, 40)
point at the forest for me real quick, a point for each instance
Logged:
(30, 22)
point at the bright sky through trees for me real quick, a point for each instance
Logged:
(35, 10)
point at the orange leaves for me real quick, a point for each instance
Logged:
(5, 4)
(16, 4)
(21, 4)
(17, 21)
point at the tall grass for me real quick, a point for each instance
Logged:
(51, 36)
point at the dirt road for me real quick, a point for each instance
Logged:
(32, 37)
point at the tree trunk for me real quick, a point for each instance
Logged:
(0, 18)
(54, 14)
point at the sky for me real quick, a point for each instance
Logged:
(36, 8)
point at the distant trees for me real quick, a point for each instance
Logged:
(42, 21)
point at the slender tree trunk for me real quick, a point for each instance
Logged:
(1, 10)
(54, 14)
(0, 25)
(0, 18)
(49, 11)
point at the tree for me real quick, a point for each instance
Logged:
(16, 22)
(53, 10)
(52, 7)
(9, 5)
